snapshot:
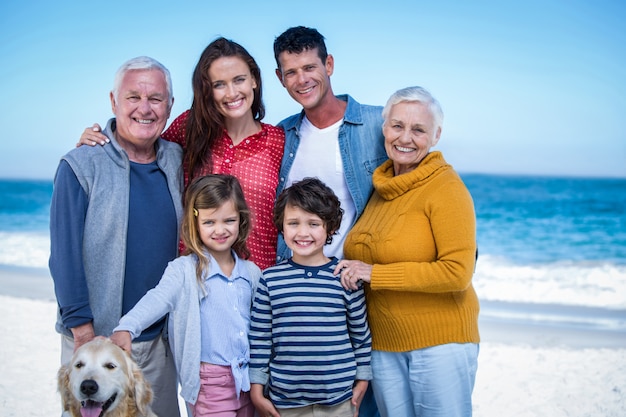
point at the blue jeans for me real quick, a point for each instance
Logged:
(432, 382)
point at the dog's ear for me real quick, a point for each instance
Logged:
(140, 388)
(63, 385)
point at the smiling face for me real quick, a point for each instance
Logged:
(98, 379)
(219, 228)
(109, 373)
(141, 107)
(233, 87)
(102, 380)
(410, 132)
(305, 234)
(306, 77)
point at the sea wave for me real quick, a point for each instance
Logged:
(578, 283)
(25, 249)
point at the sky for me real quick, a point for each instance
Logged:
(527, 88)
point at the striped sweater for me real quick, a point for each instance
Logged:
(309, 338)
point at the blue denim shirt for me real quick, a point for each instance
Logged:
(362, 149)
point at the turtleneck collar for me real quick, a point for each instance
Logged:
(390, 186)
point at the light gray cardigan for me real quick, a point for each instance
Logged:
(179, 291)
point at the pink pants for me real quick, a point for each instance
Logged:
(217, 397)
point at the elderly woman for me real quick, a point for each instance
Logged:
(415, 247)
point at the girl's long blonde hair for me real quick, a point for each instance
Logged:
(210, 192)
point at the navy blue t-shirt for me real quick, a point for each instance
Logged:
(152, 236)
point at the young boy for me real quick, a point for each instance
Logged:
(309, 338)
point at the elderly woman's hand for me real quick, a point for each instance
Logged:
(353, 273)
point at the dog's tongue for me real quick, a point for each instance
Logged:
(91, 409)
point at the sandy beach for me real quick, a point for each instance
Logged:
(534, 360)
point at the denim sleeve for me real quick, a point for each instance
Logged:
(68, 208)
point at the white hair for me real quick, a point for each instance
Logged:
(143, 63)
(415, 94)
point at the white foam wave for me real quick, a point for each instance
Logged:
(591, 284)
(27, 249)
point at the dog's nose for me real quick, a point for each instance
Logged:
(89, 387)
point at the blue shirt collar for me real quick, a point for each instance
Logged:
(215, 270)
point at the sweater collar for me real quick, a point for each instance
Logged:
(390, 186)
(116, 151)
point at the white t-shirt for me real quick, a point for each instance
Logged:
(318, 156)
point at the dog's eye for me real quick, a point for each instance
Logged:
(110, 365)
(79, 365)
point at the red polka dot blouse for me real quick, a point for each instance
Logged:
(255, 162)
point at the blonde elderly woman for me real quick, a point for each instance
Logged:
(415, 248)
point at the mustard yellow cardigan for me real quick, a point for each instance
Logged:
(419, 233)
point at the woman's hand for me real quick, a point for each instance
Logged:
(353, 273)
(92, 136)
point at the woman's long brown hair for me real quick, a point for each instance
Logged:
(205, 124)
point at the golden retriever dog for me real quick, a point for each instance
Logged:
(102, 380)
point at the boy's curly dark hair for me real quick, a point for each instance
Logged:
(313, 196)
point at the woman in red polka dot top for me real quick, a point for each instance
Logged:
(222, 133)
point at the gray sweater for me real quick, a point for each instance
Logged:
(103, 173)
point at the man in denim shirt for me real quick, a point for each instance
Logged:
(334, 138)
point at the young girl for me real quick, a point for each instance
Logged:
(208, 294)
(309, 338)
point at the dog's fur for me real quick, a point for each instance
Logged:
(102, 380)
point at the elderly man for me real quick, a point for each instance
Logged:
(114, 222)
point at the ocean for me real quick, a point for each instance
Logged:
(543, 240)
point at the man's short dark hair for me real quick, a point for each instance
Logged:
(299, 39)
